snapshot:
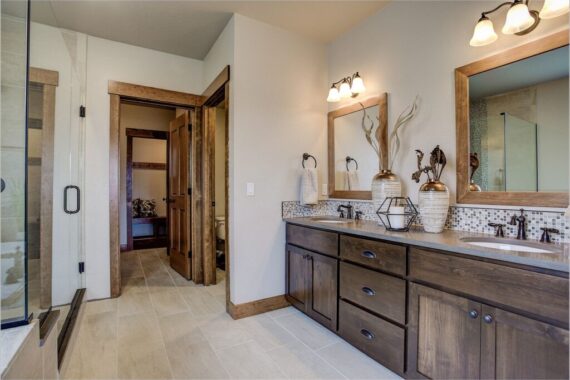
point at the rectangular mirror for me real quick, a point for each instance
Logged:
(513, 126)
(353, 162)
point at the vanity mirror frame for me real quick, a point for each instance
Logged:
(462, 74)
(382, 102)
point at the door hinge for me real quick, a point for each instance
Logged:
(82, 111)
(189, 191)
(214, 204)
(81, 267)
(190, 253)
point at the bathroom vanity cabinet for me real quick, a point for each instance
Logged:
(426, 313)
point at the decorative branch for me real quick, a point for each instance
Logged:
(437, 164)
(405, 117)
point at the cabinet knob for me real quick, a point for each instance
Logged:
(368, 254)
(368, 291)
(473, 314)
(367, 334)
(488, 318)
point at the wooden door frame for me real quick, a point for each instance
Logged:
(216, 93)
(143, 134)
(49, 80)
(120, 91)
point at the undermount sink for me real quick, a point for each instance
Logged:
(331, 220)
(509, 245)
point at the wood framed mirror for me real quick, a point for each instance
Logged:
(512, 128)
(352, 162)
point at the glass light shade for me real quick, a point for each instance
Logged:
(344, 91)
(518, 19)
(357, 86)
(554, 8)
(484, 34)
(333, 95)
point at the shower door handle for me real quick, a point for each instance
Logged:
(77, 193)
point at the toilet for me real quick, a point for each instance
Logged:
(220, 227)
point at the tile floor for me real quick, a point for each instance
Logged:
(164, 327)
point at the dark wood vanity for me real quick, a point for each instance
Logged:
(426, 313)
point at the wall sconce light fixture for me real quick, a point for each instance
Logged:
(520, 20)
(345, 88)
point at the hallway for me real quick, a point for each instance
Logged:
(164, 327)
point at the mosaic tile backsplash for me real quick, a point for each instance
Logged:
(469, 219)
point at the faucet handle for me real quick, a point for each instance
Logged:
(546, 231)
(358, 215)
(499, 232)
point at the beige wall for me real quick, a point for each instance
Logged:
(147, 184)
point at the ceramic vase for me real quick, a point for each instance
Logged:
(434, 205)
(385, 184)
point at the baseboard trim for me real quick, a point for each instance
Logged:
(248, 309)
(124, 247)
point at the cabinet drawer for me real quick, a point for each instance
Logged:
(530, 292)
(375, 254)
(315, 240)
(380, 293)
(379, 339)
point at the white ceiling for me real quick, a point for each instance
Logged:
(189, 28)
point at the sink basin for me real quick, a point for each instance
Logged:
(331, 220)
(509, 245)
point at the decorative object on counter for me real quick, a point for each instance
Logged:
(434, 195)
(397, 213)
(474, 164)
(520, 20)
(309, 183)
(347, 87)
(387, 184)
(144, 208)
(352, 180)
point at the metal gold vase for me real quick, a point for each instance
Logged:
(385, 184)
(434, 205)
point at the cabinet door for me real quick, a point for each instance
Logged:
(297, 277)
(323, 285)
(516, 347)
(444, 335)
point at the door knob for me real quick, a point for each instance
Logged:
(488, 318)
(473, 314)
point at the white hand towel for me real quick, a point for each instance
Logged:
(309, 187)
(352, 181)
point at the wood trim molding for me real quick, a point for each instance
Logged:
(217, 83)
(114, 160)
(44, 76)
(149, 165)
(153, 94)
(257, 307)
(147, 133)
(382, 102)
(462, 74)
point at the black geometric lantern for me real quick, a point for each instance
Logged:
(397, 213)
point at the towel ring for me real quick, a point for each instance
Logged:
(306, 156)
(348, 159)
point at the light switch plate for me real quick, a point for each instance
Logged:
(250, 189)
(325, 189)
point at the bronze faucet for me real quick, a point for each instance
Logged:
(348, 211)
(521, 220)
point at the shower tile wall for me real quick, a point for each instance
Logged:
(468, 219)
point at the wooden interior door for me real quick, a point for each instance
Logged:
(516, 347)
(444, 335)
(179, 197)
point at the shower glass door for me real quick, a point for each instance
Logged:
(521, 169)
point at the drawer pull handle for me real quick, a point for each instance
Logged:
(368, 254)
(368, 291)
(367, 334)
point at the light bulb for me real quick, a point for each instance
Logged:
(344, 91)
(518, 19)
(484, 34)
(357, 85)
(333, 95)
(554, 8)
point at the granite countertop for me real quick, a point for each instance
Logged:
(450, 241)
